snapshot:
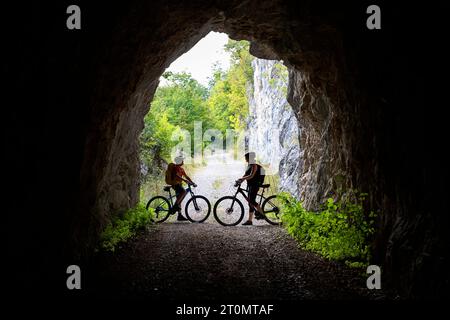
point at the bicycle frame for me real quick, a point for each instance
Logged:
(261, 198)
(243, 191)
(188, 190)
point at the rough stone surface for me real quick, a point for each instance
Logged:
(273, 128)
(369, 105)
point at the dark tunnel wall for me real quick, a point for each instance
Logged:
(372, 103)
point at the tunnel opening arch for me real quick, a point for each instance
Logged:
(124, 119)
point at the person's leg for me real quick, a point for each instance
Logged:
(251, 213)
(181, 193)
(258, 208)
(252, 192)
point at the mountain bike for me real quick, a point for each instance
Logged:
(229, 210)
(197, 208)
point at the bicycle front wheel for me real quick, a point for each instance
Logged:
(160, 206)
(228, 211)
(272, 210)
(198, 209)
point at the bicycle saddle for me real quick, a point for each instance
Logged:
(265, 185)
(167, 188)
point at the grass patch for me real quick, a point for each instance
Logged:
(274, 181)
(217, 184)
(122, 229)
(151, 188)
(340, 231)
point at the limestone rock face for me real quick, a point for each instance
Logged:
(273, 128)
(368, 105)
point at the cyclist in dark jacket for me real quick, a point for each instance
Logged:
(255, 178)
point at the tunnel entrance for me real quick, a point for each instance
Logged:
(111, 172)
(337, 121)
(212, 112)
(278, 132)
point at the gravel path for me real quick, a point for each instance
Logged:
(209, 262)
(217, 178)
(181, 260)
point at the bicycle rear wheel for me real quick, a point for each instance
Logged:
(198, 209)
(272, 208)
(228, 211)
(160, 206)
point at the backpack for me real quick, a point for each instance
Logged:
(170, 173)
(260, 174)
(258, 179)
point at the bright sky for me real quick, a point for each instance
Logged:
(200, 59)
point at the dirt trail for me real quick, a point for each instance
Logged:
(181, 260)
(217, 178)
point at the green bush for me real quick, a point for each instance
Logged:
(340, 231)
(123, 228)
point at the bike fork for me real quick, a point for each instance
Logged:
(194, 200)
(234, 198)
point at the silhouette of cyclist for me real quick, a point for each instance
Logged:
(177, 176)
(254, 175)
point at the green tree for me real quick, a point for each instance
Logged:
(175, 106)
(240, 56)
(183, 100)
(227, 102)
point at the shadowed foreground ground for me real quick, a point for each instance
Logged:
(186, 261)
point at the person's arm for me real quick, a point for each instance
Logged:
(251, 175)
(181, 178)
(190, 180)
(187, 180)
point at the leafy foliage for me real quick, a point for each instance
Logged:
(228, 101)
(340, 231)
(155, 139)
(177, 105)
(122, 229)
(279, 77)
(174, 107)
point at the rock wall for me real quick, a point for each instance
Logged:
(273, 129)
